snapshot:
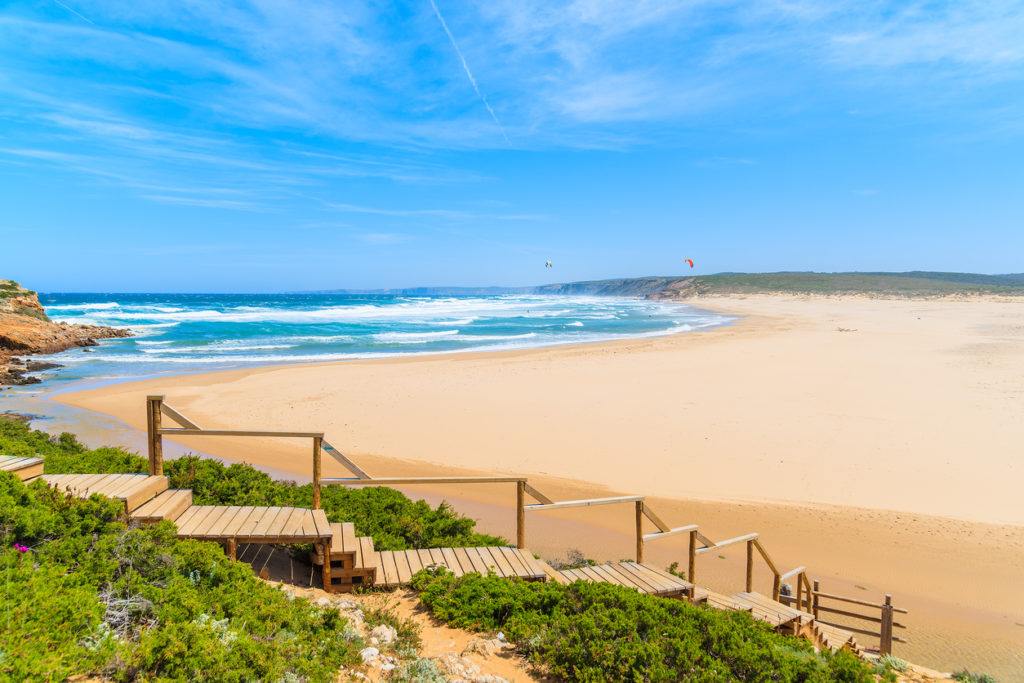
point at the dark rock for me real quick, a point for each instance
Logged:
(36, 366)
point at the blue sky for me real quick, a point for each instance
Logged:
(196, 145)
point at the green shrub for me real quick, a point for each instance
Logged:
(85, 593)
(966, 676)
(600, 632)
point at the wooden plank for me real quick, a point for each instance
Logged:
(671, 532)
(348, 537)
(186, 516)
(203, 528)
(83, 482)
(368, 555)
(293, 527)
(425, 559)
(402, 565)
(392, 481)
(224, 520)
(12, 463)
(586, 502)
(855, 601)
(412, 557)
(249, 524)
(674, 582)
(115, 488)
(271, 524)
(178, 417)
(201, 513)
(390, 567)
(231, 528)
(153, 486)
(518, 568)
(609, 576)
(309, 527)
(731, 541)
(266, 519)
(537, 494)
(323, 527)
(503, 567)
(483, 560)
(30, 472)
(531, 562)
(643, 583)
(659, 583)
(649, 513)
(468, 565)
(452, 561)
(276, 529)
(628, 579)
(552, 573)
(174, 431)
(346, 462)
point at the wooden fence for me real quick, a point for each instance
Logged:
(805, 596)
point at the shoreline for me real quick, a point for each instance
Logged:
(543, 414)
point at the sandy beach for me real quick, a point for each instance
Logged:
(875, 441)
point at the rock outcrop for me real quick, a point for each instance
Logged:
(25, 329)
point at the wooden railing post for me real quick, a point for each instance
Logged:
(317, 448)
(155, 438)
(750, 566)
(799, 591)
(690, 576)
(885, 635)
(814, 600)
(520, 514)
(776, 586)
(639, 531)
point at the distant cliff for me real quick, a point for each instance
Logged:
(25, 329)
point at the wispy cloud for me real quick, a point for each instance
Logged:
(465, 66)
(454, 214)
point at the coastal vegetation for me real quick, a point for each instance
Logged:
(908, 284)
(601, 632)
(86, 594)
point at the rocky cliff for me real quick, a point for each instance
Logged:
(25, 329)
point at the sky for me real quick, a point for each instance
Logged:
(197, 145)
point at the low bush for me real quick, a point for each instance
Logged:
(966, 676)
(600, 632)
(84, 593)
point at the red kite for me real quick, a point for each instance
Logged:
(690, 261)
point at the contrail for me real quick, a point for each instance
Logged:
(465, 66)
(75, 13)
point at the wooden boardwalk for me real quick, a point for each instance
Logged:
(23, 468)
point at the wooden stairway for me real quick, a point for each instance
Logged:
(353, 560)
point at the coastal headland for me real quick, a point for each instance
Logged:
(874, 440)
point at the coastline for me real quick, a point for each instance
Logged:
(899, 371)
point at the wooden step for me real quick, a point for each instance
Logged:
(768, 610)
(137, 495)
(170, 504)
(23, 467)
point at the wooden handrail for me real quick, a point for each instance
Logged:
(649, 514)
(855, 601)
(722, 544)
(670, 532)
(177, 417)
(585, 502)
(792, 572)
(391, 481)
(180, 431)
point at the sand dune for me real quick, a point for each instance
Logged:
(876, 441)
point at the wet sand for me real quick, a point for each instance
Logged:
(875, 441)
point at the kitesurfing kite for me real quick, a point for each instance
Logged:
(690, 261)
(549, 264)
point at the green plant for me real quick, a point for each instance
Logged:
(600, 632)
(894, 663)
(407, 631)
(674, 570)
(966, 676)
(418, 671)
(84, 593)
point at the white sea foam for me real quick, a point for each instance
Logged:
(413, 337)
(575, 323)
